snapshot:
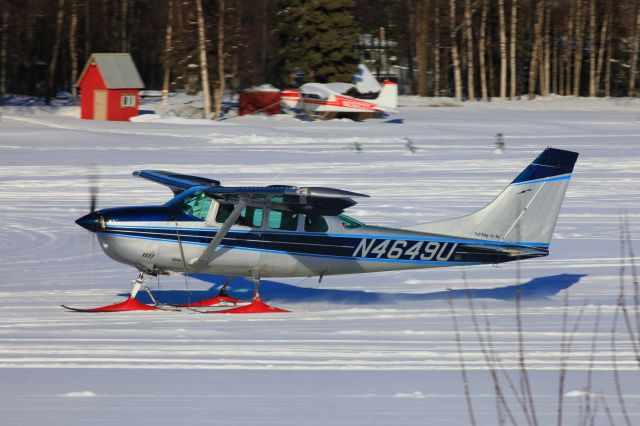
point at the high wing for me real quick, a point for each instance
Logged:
(175, 181)
(312, 199)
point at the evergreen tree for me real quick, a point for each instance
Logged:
(318, 38)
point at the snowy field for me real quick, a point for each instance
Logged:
(355, 350)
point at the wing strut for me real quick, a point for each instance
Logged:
(208, 253)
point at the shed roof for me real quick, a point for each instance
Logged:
(117, 69)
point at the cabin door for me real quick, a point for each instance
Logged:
(100, 105)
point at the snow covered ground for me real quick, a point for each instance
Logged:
(363, 349)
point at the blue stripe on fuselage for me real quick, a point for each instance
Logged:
(344, 246)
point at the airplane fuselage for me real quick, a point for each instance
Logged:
(169, 245)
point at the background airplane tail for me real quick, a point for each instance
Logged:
(388, 97)
(525, 212)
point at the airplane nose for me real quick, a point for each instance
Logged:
(89, 222)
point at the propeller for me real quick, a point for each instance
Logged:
(94, 184)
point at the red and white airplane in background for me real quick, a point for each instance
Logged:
(318, 98)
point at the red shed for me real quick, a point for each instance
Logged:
(110, 86)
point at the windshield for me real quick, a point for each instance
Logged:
(194, 203)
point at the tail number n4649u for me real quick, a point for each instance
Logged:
(404, 250)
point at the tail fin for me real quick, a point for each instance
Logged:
(387, 100)
(525, 212)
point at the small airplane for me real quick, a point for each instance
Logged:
(330, 99)
(288, 231)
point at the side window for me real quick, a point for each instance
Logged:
(224, 210)
(349, 222)
(315, 223)
(249, 216)
(285, 220)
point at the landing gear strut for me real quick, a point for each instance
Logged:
(131, 304)
(222, 299)
(257, 306)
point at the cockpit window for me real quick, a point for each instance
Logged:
(349, 222)
(285, 220)
(196, 204)
(315, 223)
(250, 216)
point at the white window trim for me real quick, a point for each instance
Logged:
(124, 103)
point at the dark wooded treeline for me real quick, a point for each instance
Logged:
(469, 49)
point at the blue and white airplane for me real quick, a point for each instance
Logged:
(287, 231)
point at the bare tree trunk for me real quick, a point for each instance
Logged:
(635, 47)
(87, 28)
(204, 68)
(53, 63)
(592, 48)
(555, 61)
(457, 73)
(482, 51)
(568, 50)
(468, 26)
(73, 48)
(168, 47)
(412, 46)
(492, 68)
(546, 82)
(421, 45)
(603, 43)
(219, 92)
(537, 47)
(607, 77)
(512, 50)
(123, 25)
(436, 50)
(577, 68)
(3, 54)
(455, 58)
(503, 51)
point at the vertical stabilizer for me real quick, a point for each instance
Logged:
(387, 100)
(525, 212)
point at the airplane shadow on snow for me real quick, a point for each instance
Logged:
(241, 288)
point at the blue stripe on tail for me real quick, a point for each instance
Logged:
(551, 162)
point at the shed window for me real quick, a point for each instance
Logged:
(128, 101)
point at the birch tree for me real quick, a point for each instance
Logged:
(4, 26)
(204, 68)
(468, 27)
(421, 45)
(537, 47)
(503, 50)
(455, 58)
(601, 50)
(635, 47)
(436, 48)
(219, 92)
(512, 48)
(53, 62)
(73, 48)
(168, 47)
(577, 67)
(482, 51)
(592, 48)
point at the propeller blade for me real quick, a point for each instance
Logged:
(94, 183)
